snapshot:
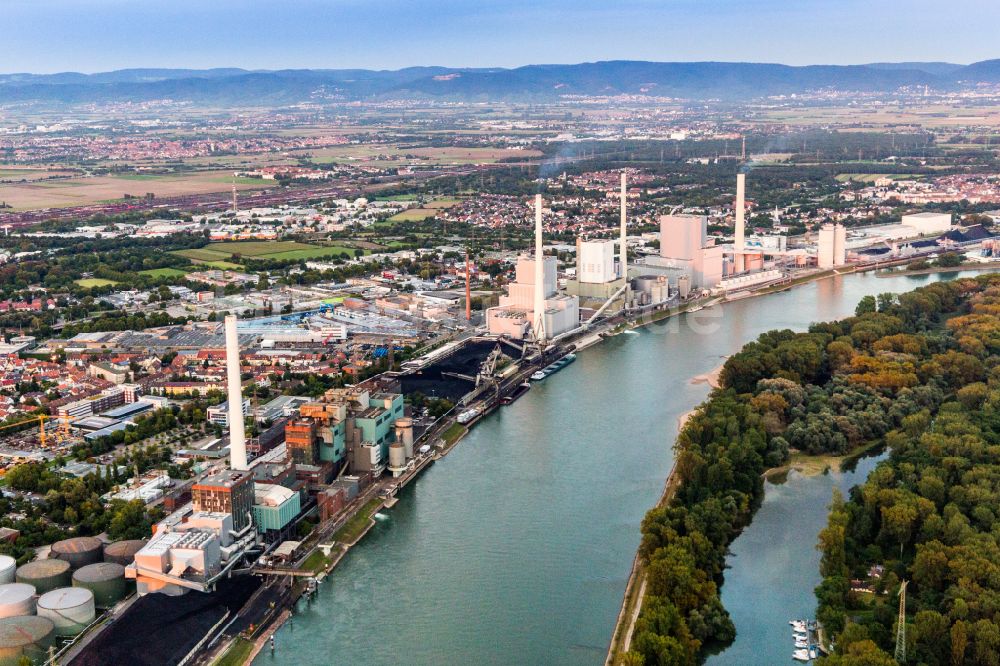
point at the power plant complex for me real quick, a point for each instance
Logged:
(688, 263)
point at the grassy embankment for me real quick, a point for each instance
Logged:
(359, 522)
(237, 654)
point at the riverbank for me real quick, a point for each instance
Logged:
(711, 377)
(635, 589)
(810, 465)
(969, 266)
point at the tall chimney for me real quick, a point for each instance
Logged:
(739, 245)
(538, 322)
(622, 245)
(741, 184)
(237, 435)
(468, 289)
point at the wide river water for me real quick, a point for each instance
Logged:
(516, 547)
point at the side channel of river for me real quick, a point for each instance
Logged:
(515, 548)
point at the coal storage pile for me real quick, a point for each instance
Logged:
(432, 383)
(158, 629)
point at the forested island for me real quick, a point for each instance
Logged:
(916, 373)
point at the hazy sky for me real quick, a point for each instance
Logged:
(100, 35)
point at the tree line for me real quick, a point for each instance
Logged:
(836, 388)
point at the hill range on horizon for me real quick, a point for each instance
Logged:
(726, 81)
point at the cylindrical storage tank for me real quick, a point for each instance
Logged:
(78, 551)
(71, 609)
(28, 636)
(105, 579)
(684, 285)
(45, 575)
(16, 599)
(8, 565)
(644, 283)
(123, 552)
(397, 456)
(404, 434)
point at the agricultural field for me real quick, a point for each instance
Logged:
(398, 197)
(872, 177)
(30, 174)
(222, 265)
(390, 155)
(442, 203)
(314, 253)
(213, 253)
(928, 116)
(455, 155)
(413, 215)
(87, 283)
(426, 210)
(83, 191)
(163, 272)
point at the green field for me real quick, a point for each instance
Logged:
(454, 432)
(237, 654)
(94, 282)
(413, 215)
(358, 523)
(276, 250)
(223, 265)
(444, 202)
(316, 562)
(163, 272)
(398, 197)
(872, 177)
(315, 253)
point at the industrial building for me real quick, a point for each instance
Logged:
(599, 282)
(533, 307)
(686, 250)
(513, 317)
(106, 399)
(595, 261)
(275, 507)
(832, 246)
(349, 426)
(219, 414)
(226, 492)
(927, 223)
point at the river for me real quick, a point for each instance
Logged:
(774, 566)
(516, 547)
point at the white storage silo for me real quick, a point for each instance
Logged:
(404, 434)
(16, 599)
(8, 568)
(397, 458)
(71, 609)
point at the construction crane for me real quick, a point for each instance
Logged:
(42, 418)
(901, 626)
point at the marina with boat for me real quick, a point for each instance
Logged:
(805, 636)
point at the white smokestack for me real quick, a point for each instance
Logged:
(237, 436)
(623, 247)
(539, 314)
(741, 184)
